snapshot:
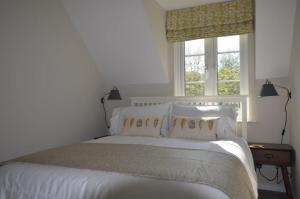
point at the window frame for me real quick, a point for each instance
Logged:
(247, 69)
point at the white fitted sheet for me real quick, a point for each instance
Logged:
(31, 181)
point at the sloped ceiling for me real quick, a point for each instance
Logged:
(118, 36)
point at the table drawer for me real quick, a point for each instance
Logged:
(272, 157)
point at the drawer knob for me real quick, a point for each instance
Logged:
(269, 156)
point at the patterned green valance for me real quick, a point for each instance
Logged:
(212, 20)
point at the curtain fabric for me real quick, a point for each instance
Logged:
(212, 20)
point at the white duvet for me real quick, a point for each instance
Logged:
(31, 181)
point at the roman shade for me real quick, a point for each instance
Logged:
(212, 20)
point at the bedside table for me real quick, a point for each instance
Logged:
(281, 155)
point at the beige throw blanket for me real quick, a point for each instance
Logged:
(222, 171)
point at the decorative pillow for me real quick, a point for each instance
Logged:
(142, 126)
(194, 128)
(119, 114)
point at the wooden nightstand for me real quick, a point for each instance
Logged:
(281, 155)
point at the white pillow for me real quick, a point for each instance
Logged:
(205, 111)
(226, 129)
(119, 114)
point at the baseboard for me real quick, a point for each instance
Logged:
(271, 187)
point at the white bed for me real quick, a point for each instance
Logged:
(33, 181)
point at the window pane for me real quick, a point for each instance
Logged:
(194, 75)
(229, 74)
(192, 89)
(194, 67)
(228, 60)
(229, 88)
(195, 63)
(229, 43)
(194, 47)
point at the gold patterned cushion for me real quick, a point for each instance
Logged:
(142, 126)
(194, 128)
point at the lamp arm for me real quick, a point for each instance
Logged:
(103, 105)
(103, 98)
(285, 88)
(289, 96)
(286, 117)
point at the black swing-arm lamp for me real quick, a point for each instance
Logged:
(114, 94)
(268, 89)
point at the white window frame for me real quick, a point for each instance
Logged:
(247, 70)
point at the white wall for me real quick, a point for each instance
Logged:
(270, 114)
(295, 108)
(274, 30)
(118, 35)
(49, 85)
(157, 16)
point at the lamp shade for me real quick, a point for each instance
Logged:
(114, 94)
(268, 89)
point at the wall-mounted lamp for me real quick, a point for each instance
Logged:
(114, 94)
(268, 89)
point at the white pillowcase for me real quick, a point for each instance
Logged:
(226, 129)
(205, 111)
(119, 114)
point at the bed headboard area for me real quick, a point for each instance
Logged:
(239, 101)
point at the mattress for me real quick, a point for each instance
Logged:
(33, 181)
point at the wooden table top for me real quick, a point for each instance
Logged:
(270, 146)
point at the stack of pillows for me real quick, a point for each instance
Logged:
(176, 121)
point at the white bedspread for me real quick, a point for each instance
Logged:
(29, 181)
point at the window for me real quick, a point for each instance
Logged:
(228, 53)
(194, 65)
(214, 66)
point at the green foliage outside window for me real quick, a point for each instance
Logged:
(228, 78)
(194, 85)
(194, 90)
(229, 87)
(229, 74)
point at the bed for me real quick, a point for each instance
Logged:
(127, 166)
